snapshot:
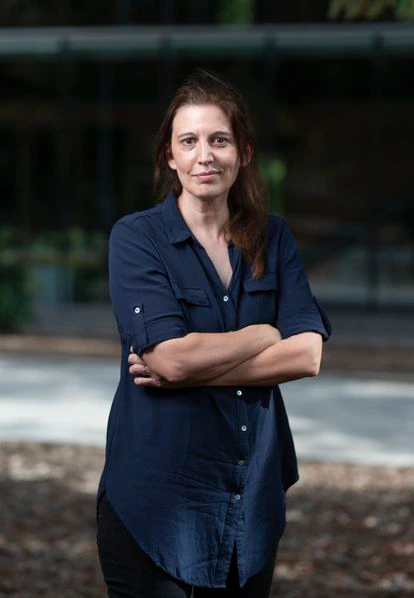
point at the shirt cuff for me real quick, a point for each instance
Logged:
(315, 320)
(146, 334)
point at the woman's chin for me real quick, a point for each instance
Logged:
(207, 192)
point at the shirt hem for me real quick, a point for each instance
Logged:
(182, 578)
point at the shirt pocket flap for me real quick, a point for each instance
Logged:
(193, 296)
(267, 282)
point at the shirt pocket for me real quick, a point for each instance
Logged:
(197, 308)
(258, 302)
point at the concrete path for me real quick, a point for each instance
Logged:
(362, 419)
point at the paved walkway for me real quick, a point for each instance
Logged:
(363, 419)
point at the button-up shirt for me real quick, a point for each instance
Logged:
(197, 472)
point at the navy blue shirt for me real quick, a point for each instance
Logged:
(195, 472)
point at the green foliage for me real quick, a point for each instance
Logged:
(232, 12)
(74, 258)
(273, 170)
(370, 9)
(71, 246)
(14, 286)
(405, 10)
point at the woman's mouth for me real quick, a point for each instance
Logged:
(207, 176)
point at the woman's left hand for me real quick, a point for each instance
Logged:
(142, 374)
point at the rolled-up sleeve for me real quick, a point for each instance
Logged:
(298, 309)
(145, 307)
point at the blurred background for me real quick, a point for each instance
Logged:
(330, 85)
(82, 89)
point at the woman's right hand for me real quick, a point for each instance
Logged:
(143, 376)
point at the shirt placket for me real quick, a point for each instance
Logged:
(234, 531)
(233, 524)
(233, 528)
(242, 458)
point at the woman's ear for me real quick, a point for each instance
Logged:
(169, 158)
(247, 158)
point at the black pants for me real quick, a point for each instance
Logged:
(129, 572)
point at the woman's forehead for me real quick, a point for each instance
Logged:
(203, 116)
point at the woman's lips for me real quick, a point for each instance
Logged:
(206, 176)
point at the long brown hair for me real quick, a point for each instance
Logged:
(247, 200)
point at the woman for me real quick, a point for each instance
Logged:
(211, 298)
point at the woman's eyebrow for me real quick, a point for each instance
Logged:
(226, 133)
(190, 134)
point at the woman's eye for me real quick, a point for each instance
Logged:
(221, 140)
(188, 141)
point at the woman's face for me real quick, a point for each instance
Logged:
(203, 151)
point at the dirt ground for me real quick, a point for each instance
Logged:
(350, 530)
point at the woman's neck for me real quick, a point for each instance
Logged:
(204, 216)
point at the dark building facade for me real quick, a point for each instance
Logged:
(333, 106)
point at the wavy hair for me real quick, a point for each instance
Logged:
(247, 199)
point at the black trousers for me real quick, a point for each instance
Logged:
(130, 573)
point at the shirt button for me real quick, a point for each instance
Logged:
(239, 393)
(137, 310)
(241, 462)
(237, 496)
(225, 298)
(243, 428)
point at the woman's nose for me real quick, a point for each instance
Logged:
(204, 153)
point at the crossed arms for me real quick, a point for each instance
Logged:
(253, 356)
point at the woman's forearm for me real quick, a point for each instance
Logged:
(198, 357)
(296, 357)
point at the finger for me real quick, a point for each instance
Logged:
(139, 381)
(132, 358)
(139, 370)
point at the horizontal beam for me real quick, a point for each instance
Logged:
(216, 42)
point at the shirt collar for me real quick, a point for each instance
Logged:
(176, 227)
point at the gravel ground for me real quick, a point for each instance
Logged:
(350, 529)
